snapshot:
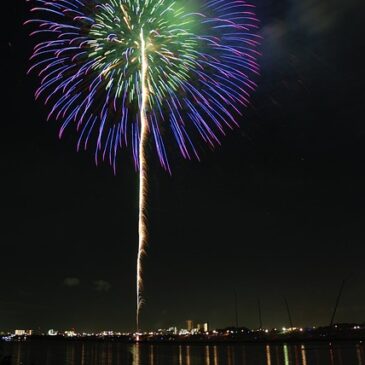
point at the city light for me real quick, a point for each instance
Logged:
(197, 332)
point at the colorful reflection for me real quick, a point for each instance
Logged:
(215, 355)
(286, 355)
(207, 355)
(188, 356)
(304, 356)
(114, 353)
(136, 349)
(180, 355)
(268, 355)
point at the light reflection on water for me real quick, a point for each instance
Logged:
(188, 356)
(207, 355)
(304, 358)
(114, 353)
(268, 355)
(360, 354)
(215, 351)
(286, 355)
(180, 355)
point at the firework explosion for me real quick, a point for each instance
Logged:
(123, 70)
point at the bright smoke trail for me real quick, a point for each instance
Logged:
(128, 72)
(142, 226)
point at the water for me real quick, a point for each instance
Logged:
(113, 353)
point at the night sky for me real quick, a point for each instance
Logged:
(277, 210)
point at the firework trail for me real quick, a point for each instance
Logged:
(127, 72)
(142, 227)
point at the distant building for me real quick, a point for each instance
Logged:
(23, 332)
(201, 327)
(172, 330)
(107, 333)
(70, 333)
(189, 325)
(52, 333)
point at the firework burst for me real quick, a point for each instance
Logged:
(123, 70)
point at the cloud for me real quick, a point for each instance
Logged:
(318, 16)
(71, 282)
(102, 285)
(298, 32)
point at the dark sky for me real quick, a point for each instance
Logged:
(277, 211)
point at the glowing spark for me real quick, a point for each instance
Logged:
(126, 17)
(142, 226)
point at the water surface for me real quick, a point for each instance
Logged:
(114, 353)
